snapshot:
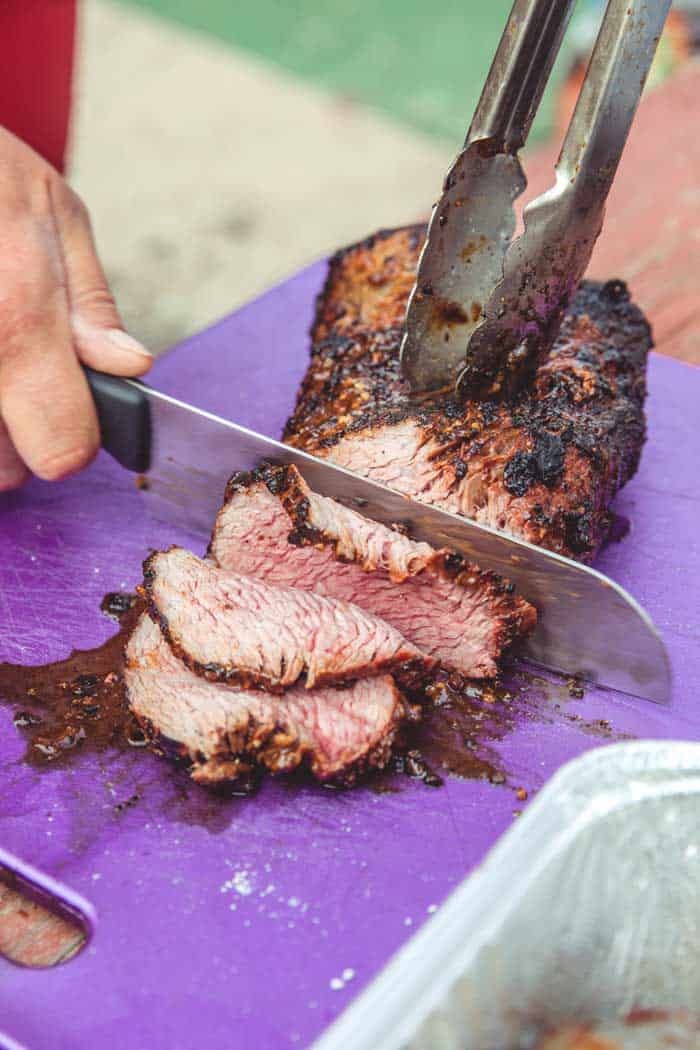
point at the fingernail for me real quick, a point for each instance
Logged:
(126, 342)
(116, 336)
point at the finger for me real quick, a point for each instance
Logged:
(13, 472)
(109, 349)
(98, 333)
(44, 399)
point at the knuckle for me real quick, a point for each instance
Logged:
(94, 297)
(31, 286)
(73, 206)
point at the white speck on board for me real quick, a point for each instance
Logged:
(241, 882)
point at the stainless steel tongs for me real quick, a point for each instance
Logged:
(485, 307)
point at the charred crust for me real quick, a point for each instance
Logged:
(227, 674)
(453, 564)
(238, 481)
(615, 290)
(289, 487)
(544, 462)
(244, 753)
(273, 476)
(581, 527)
(415, 233)
(584, 411)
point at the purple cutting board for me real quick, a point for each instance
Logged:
(230, 923)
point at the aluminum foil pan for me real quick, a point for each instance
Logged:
(588, 907)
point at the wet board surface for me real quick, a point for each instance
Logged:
(253, 922)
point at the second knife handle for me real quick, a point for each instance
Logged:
(124, 414)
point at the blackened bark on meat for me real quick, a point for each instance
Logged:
(544, 463)
(543, 467)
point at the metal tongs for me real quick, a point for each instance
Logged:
(486, 308)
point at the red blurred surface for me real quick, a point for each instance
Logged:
(37, 45)
(651, 234)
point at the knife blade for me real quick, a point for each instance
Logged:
(588, 625)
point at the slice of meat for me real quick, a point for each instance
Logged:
(274, 528)
(224, 733)
(543, 467)
(233, 628)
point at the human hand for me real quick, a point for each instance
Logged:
(56, 310)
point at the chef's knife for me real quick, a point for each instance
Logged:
(588, 625)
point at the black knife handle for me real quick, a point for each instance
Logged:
(124, 414)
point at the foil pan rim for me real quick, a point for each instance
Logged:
(418, 978)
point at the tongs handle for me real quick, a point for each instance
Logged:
(519, 73)
(608, 100)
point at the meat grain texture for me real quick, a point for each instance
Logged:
(543, 467)
(225, 734)
(241, 630)
(274, 528)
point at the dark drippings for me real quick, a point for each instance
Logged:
(412, 764)
(78, 704)
(117, 604)
(75, 704)
(575, 687)
(461, 722)
(619, 528)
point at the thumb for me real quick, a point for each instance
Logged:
(98, 334)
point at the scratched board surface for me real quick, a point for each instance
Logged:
(253, 922)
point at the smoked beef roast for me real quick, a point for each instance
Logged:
(543, 467)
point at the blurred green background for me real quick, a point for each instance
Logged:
(223, 144)
(421, 63)
(265, 133)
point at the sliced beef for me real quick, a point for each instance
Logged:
(274, 528)
(237, 629)
(224, 733)
(543, 467)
